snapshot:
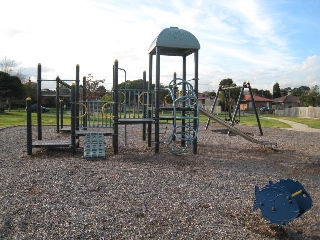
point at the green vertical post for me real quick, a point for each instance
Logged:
(73, 118)
(39, 110)
(29, 126)
(157, 103)
(57, 102)
(77, 94)
(195, 113)
(115, 106)
(150, 100)
(144, 114)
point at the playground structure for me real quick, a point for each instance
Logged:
(283, 201)
(138, 106)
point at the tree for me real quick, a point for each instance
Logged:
(211, 94)
(300, 90)
(94, 89)
(227, 82)
(30, 89)
(261, 93)
(232, 94)
(4, 79)
(11, 89)
(285, 91)
(311, 98)
(276, 90)
(10, 66)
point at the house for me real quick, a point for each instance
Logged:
(246, 102)
(286, 102)
(203, 100)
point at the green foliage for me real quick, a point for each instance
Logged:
(311, 98)
(261, 93)
(107, 97)
(299, 91)
(94, 88)
(228, 97)
(276, 90)
(30, 89)
(11, 89)
(227, 82)
(211, 94)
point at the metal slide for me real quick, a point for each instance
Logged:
(235, 130)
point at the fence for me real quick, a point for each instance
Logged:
(308, 112)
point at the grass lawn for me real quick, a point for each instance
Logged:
(18, 118)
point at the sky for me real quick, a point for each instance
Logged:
(256, 41)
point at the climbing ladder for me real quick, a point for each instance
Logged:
(94, 145)
(185, 126)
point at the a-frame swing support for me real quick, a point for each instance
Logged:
(237, 107)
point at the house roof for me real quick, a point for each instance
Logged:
(286, 99)
(247, 98)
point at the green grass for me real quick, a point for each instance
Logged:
(251, 120)
(310, 122)
(19, 118)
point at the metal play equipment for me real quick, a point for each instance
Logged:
(232, 118)
(283, 201)
(138, 106)
(173, 42)
(170, 42)
(183, 109)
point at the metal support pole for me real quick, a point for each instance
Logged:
(61, 113)
(115, 106)
(195, 113)
(212, 108)
(39, 110)
(73, 118)
(29, 126)
(144, 114)
(184, 76)
(255, 108)
(157, 99)
(77, 94)
(150, 100)
(57, 102)
(84, 99)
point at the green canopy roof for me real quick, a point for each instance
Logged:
(175, 42)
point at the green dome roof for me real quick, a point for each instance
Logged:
(175, 42)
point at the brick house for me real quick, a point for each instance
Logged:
(246, 102)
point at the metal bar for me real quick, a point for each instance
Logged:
(73, 118)
(195, 111)
(150, 99)
(57, 103)
(77, 94)
(115, 107)
(255, 108)
(157, 101)
(29, 126)
(39, 111)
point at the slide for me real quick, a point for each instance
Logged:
(235, 130)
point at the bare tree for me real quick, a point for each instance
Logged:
(95, 89)
(11, 67)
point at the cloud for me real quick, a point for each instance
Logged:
(244, 40)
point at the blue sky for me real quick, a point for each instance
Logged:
(260, 41)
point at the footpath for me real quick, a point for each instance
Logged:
(297, 126)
